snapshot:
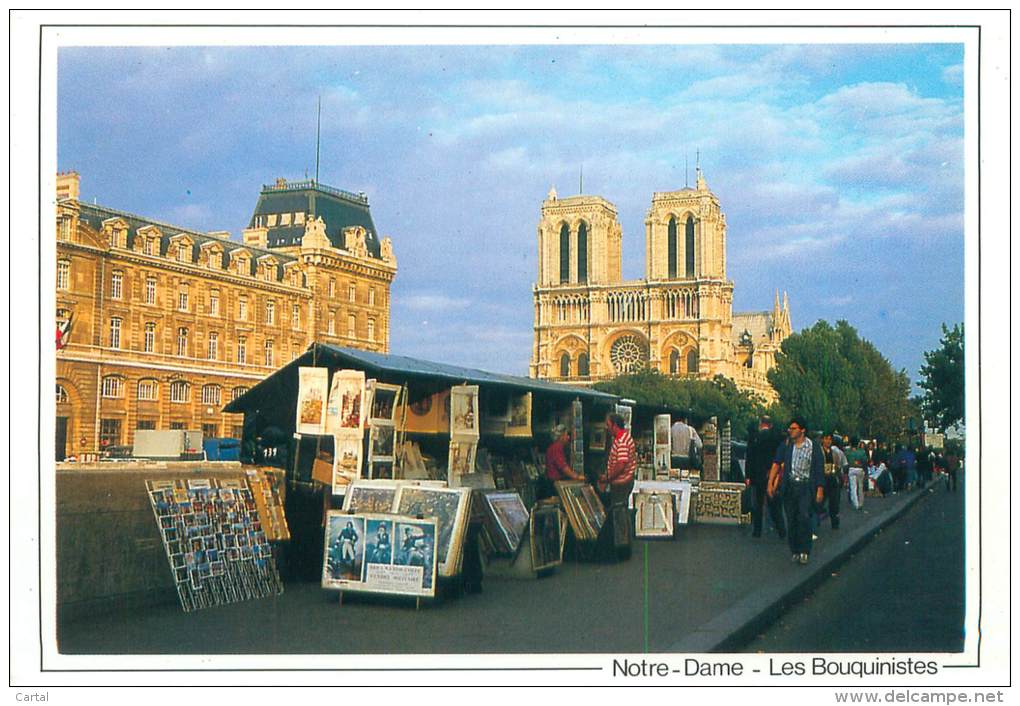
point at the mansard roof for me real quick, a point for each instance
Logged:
(757, 323)
(339, 209)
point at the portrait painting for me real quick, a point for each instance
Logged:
(379, 541)
(344, 548)
(597, 437)
(417, 546)
(311, 401)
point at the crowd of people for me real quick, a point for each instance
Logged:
(799, 481)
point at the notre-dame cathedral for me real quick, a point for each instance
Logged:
(591, 325)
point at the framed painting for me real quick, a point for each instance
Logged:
(546, 537)
(597, 437)
(384, 405)
(450, 507)
(520, 416)
(653, 515)
(508, 518)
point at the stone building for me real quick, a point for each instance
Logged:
(165, 325)
(592, 325)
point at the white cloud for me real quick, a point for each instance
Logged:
(953, 75)
(430, 302)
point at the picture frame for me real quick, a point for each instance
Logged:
(506, 518)
(313, 393)
(450, 508)
(597, 437)
(382, 443)
(546, 537)
(585, 514)
(371, 496)
(654, 515)
(519, 424)
(622, 530)
(384, 404)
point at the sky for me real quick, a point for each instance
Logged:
(840, 168)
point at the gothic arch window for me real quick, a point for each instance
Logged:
(689, 246)
(692, 361)
(671, 247)
(674, 362)
(564, 253)
(565, 365)
(582, 252)
(582, 365)
(628, 354)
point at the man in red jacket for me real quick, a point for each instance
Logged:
(618, 480)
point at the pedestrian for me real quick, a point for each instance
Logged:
(618, 480)
(924, 464)
(857, 458)
(686, 444)
(801, 483)
(834, 467)
(952, 467)
(762, 444)
(556, 466)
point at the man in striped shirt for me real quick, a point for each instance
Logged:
(618, 480)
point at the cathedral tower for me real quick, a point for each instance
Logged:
(579, 241)
(685, 235)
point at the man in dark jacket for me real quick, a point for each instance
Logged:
(800, 481)
(762, 444)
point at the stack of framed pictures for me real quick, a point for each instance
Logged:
(662, 445)
(653, 514)
(383, 431)
(380, 553)
(584, 510)
(214, 541)
(450, 507)
(547, 537)
(464, 432)
(345, 420)
(504, 521)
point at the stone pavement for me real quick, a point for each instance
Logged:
(712, 588)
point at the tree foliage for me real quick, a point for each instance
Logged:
(837, 380)
(718, 397)
(942, 379)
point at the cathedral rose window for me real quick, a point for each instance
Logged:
(628, 354)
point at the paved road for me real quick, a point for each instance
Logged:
(902, 593)
(583, 608)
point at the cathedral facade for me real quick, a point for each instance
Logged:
(591, 325)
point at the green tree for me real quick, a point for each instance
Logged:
(942, 380)
(837, 380)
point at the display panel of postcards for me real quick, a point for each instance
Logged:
(585, 512)
(505, 518)
(384, 430)
(380, 553)
(214, 541)
(464, 432)
(345, 421)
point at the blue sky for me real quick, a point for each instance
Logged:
(839, 167)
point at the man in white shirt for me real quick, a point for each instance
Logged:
(684, 440)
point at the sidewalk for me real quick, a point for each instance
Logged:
(710, 589)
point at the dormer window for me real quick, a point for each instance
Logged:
(148, 246)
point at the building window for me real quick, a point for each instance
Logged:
(182, 342)
(351, 326)
(211, 394)
(565, 365)
(269, 354)
(63, 274)
(269, 272)
(242, 350)
(145, 425)
(214, 345)
(332, 287)
(117, 285)
(689, 246)
(61, 394)
(352, 293)
(180, 391)
(237, 392)
(214, 304)
(331, 326)
(149, 342)
(208, 431)
(65, 228)
(371, 329)
(147, 246)
(692, 362)
(237, 431)
(182, 298)
(582, 365)
(113, 387)
(115, 332)
(371, 296)
(295, 317)
(671, 247)
(242, 309)
(109, 433)
(182, 253)
(582, 252)
(564, 253)
(150, 290)
(242, 267)
(270, 312)
(177, 425)
(148, 389)
(674, 362)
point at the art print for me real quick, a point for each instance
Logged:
(597, 437)
(366, 497)
(449, 507)
(461, 458)
(520, 415)
(345, 548)
(313, 388)
(384, 404)
(417, 548)
(464, 411)
(380, 470)
(381, 442)
(653, 515)
(379, 541)
(346, 403)
(511, 517)
(546, 537)
(662, 429)
(346, 462)
(625, 412)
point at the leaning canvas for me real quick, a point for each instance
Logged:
(507, 517)
(546, 537)
(313, 386)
